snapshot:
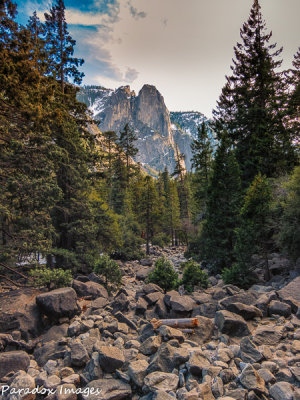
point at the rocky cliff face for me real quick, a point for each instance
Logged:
(158, 131)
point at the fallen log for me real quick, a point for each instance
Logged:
(181, 323)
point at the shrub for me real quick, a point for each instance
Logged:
(51, 278)
(110, 271)
(193, 276)
(163, 275)
(161, 240)
(237, 276)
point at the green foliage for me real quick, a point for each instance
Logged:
(51, 278)
(289, 235)
(193, 275)
(161, 240)
(110, 271)
(131, 240)
(164, 275)
(223, 205)
(254, 234)
(253, 104)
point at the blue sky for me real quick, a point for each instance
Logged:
(183, 47)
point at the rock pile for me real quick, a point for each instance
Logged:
(246, 344)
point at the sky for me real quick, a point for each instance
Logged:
(183, 47)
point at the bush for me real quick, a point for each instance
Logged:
(131, 241)
(236, 276)
(164, 275)
(110, 271)
(193, 276)
(51, 278)
(161, 240)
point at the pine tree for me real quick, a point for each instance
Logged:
(171, 220)
(253, 235)
(182, 185)
(151, 211)
(293, 81)
(252, 104)
(60, 46)
(223, 205)
(126, 142)
(201, 162)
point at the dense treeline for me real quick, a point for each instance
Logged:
(70, 192)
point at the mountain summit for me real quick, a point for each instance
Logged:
(158, 133)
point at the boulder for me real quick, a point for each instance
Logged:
(231, 324)
(79, 355)
(247, 298)
(291, 294)
(207, 310)
(90, 289)
(181, 304)
(167, 333)
(13, 361)
(110, 358)
(197, 362)
(99, 303)
(264, 300)
(146, 262)
(269, 335)
(247, 312)
(161, 381)
(251, 380)
(282, 391)
(59, 303)
(125, 320)
(279, 308)
(20, 382)
(137, 371)
(249, 352)
(67, 391)
(204, 330)
(167, 358)
(56, 333)
(18, 311)
(150, 345)
(106, 389)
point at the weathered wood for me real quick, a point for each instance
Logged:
(176, 323)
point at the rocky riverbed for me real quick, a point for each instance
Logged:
(81, 343)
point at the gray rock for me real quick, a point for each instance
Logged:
(92, 370)
(205, 329)
(161, 381)
(13, 361)
(79, 355)
(197, 362)
(56, 333)
(22, 381)
(279, 308)
(282, 391)
(167, 333)
(150, 345)
(107, 389)
(167, 358)
(231, 324)
(181, 304)
(110, 358)
(247, 298)
(89, 289)
(137, 371)
(249, 352)
(66, 391)
(146, 262)
(268, 334)
(291, 294)
(247, 312)
(251, 380)
(58, 303)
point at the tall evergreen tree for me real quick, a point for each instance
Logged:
(60, 46)
(252, 104)
(126, 142)
(254, 233)
(201, 162)
(223, 205)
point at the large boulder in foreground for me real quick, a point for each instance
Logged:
(13, 361)
(231, 324)
(91, 290)
(18, 311)
(59, 303)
